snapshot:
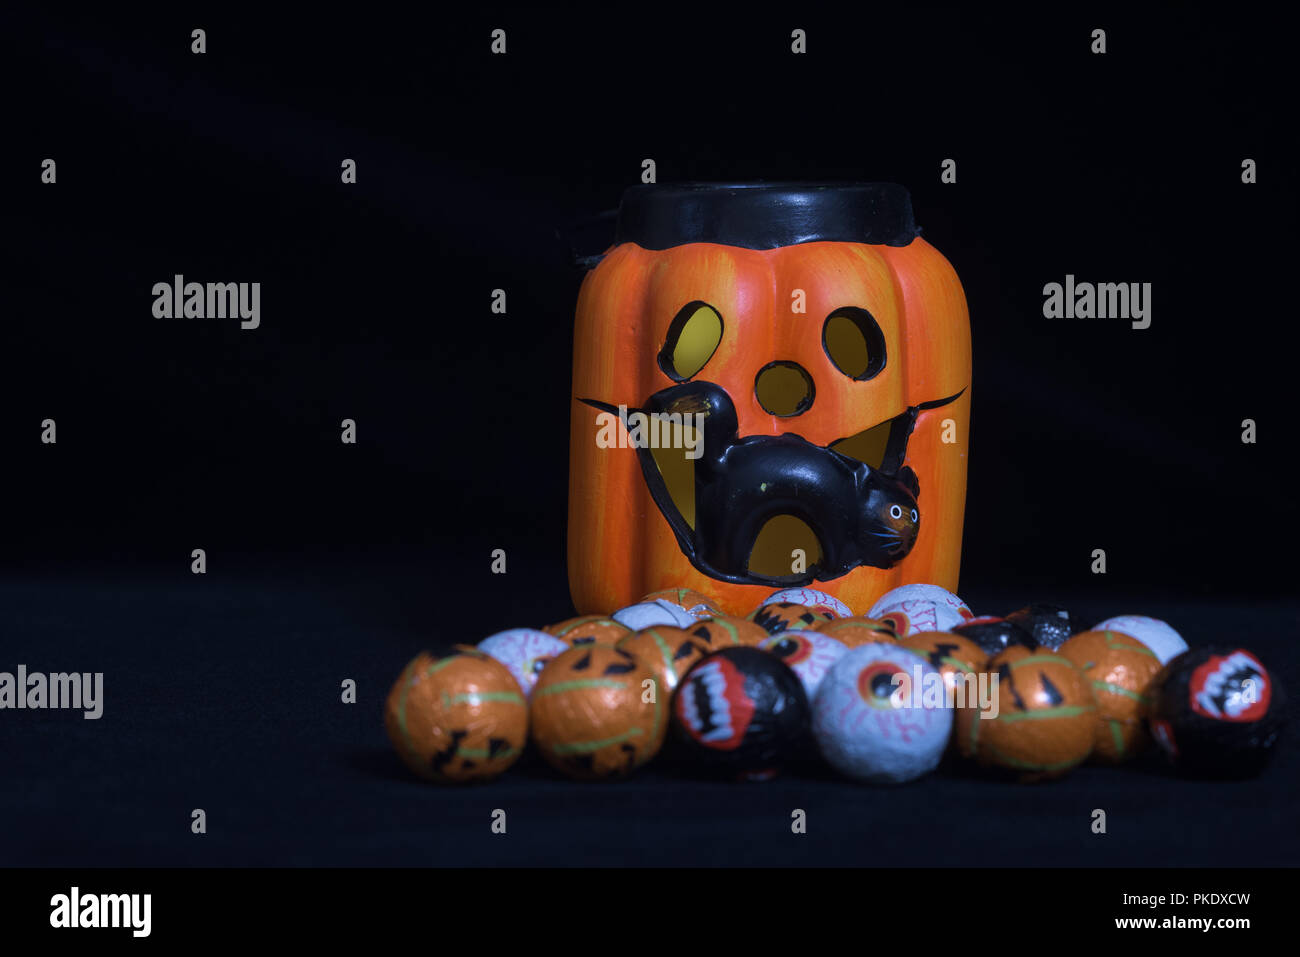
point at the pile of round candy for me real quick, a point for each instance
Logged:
(882, 697)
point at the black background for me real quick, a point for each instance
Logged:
(328, 561)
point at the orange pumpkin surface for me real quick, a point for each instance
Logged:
(620, 545)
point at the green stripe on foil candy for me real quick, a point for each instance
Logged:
(478, 697)
(562, 686)
(654, 732)
(1042, 659)
(1141, 648)
(728, 627)
(438, 665)
(664, 650)
(1068, 711)
(1117, 736)
(1121, 691)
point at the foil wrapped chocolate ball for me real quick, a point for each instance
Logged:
(858, 631)
(819, 601)
(1218, 712)
(880, 715)
(959, 660)
(994, 635)
(741, 712)
(775, 617)
(920, 607)
(722, 631)
(668, 652)
(1165, 643)
(588, 630)
(1050, 625)
(809, 654)
(457, 719)
(524, 652)
(591, 716)
(1045, 718)
(696, 603)
(1121, 670)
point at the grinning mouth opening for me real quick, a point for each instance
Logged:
(882, 446)
(713, 704)
(869, 445)
(678, 471)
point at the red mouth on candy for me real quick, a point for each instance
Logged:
(714, 706)
(1231, 687)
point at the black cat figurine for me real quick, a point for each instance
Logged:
(861, 515)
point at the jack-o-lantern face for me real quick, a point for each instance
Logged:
(757, 403)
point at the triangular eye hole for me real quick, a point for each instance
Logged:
(693, 337)
(853, 340)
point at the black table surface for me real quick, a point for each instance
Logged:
(223, 692)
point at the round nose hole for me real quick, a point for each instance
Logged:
(784, 389)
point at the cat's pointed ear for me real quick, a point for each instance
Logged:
(908, 478)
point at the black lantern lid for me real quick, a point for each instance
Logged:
(765, 215)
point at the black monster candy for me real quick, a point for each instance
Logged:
(1218, 712)
(994, 635)
(1050, 625)
(741, 711)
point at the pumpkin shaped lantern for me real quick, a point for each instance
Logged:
(771, 388)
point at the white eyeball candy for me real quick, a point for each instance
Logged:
(811, 598)
(873, 725)
(914, 608)
(1163, 642)
(807, 653)
(648, 614)
(524, 652)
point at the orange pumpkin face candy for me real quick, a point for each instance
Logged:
(858, 631)
(590, 716)
(589, 629)
(723, 631)
(1046, 714)
(457, 719)
(689, 315)
(1122, 671)
(668, 652)
(780, 616)
(957, 659)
